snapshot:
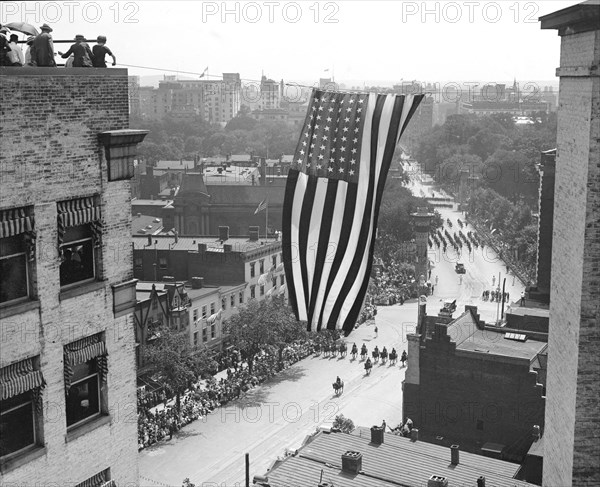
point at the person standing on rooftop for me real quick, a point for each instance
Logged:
(81, 51)
(100, 50)
(42, 49)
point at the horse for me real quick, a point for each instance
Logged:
(354, 351)
(384, 356)
(317, 348)
(375, 355)
(393, 358)
(338, 388)
(326, 350)
(404, 358)
(363, 353)
(368, 367)
(343, 349)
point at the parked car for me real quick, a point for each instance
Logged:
(460, 268)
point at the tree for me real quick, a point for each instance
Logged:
(176, 363)
(345, 425)
(260, 324)
(241, 122)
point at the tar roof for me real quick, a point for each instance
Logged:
(145, 225)
(398, 461)
(464, 332)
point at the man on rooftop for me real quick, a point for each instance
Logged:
(42, 49)
(82, 54)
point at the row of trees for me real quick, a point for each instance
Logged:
(171, 139)
(502, 153)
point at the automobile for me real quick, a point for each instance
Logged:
(460, 268)
(448, 308)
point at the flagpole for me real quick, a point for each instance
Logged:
(267, 219)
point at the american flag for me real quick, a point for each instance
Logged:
(261, 206)
(332, 200)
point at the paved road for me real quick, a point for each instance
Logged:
(282, 412)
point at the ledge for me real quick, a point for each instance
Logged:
(582, 17)
(79, 289)
(20, 460)
(19, 308)
(86, 428)
(38, 71)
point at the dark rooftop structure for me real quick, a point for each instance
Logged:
(398, 461)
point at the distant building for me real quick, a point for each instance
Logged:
(367, 458)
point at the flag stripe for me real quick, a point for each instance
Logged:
(286, 230)
(305, 213)
(324, 242)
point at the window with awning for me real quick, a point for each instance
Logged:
(98, 480)
(17, 250)
(21, 388)
(84, 350)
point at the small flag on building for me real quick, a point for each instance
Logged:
(332, 200)
(261, 206)
(204, 72)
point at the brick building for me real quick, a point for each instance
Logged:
(255, 264)
(67, 368)
(474, 384)
(571, 440)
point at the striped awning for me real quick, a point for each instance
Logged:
(110, 483)
(80, 352)
(78, 212)
(18, 378)
(14, 222)
(97, 480)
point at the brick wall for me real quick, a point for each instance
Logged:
(572, 449)
(50, 119)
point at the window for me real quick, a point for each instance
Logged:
(212, 308)
(17, 251)
(282, 279)
(262, 290)
(213, 331)
(232, 300)
(162, 262)
(84, 379)
(204, 312)
(262, 266)
(79, 232)
(252, 292)
(101, 479)
(139, 264)
(195, 339)
(223, 302)
(204, 335)
(20, 407)
(275, 260)
(195, 314)
(241, 297)
(274, 282)
(252, 269)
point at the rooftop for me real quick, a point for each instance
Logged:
(230, 175)
(139, 202)
(213, 244)
(146, 225)
(464, 332)
(398, 461)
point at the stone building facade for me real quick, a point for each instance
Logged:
(67, 367)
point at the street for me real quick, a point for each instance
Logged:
(279, 414)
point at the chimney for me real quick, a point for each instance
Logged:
(253, 232)
(227, 248)
(414, 434)
(437, 481)
(481, 481)
(352, 462)
(150, 171)
(201, 247)
(168, 279)
(197, 282)
(149, 241)
(223, 233)
(377, 435)
(454, 454)
(176, 235)
(536, 432)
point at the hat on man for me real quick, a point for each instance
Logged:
(46, 27)
(79, 37)
(30, 39)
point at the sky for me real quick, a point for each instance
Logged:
(357, 41)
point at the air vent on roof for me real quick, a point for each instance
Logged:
(437, 481)
(352, 462)
(516, 336)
